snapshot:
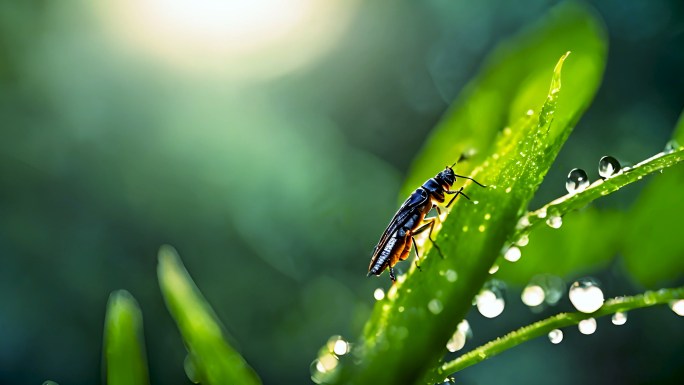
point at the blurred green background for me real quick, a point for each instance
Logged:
(267, 141)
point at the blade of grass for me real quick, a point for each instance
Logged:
(543, 327)
(124, 358)
(211, 359)
(567, 203)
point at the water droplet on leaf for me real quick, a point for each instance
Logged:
(490, 302)
(191, 369)
(523, 240)
(671, 146)
(619, 318)
(460, 336)
(608, 166)
(533, 295)
(577, 181)
(435, 306)
(451, 275)
(586, 296)
(587, 326)
(678, 307)
(512, 254)
(493, 269)
(556, 336)
(379, 294)
(554, 221)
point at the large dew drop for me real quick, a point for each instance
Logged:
(587, 326)
(556, 336)
(678, 307)
(554, 222)
(619, 318)
(458, 339)
(490, 302)
(608, 166)
(533, 295)
(577, 181)
(379, 294)
(512, 254)
(586, 295)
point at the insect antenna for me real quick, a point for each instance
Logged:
(465, 177)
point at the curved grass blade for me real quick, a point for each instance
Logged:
(211, 359)
(513, 79)
(543, 327)
(406, 335)
(569, 202)
(124, 359)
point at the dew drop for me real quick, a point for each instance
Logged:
(191, 369)
(487, 216)
(337, 345)
(401, 309)
(587, 326)
(379, 294)
(619, 318)
(451, 275)
(458, 339)
(481, 228)
(554, 221)
(507, 131)
(476, 202)
(530, 112)
(523, 222)
(508, 189)
(541, 213)
(678, 307)
(577, 181)
(465, 229)
(523, 240)
(493, 269)
(533, 295)
(489, 301)
(435, 306)
(556, 336)
(321, 366)
(671, 146)
(586, 295)
(512, 254)
(608, 166)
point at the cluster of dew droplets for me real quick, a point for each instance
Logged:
(490, 300)
(542, 289)
(577, 181)
(461, 335)
(586, 295)
(323, 367)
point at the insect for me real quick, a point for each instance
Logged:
(395, 243)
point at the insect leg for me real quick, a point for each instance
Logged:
(457, 192)
(417, 255)
(391, 273)
(430, 224)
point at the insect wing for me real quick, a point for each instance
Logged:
(406, 211)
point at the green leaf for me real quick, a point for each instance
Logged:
(211, 359)
(652, 243)
(407, 333)
(124, 346)
(514, 79)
